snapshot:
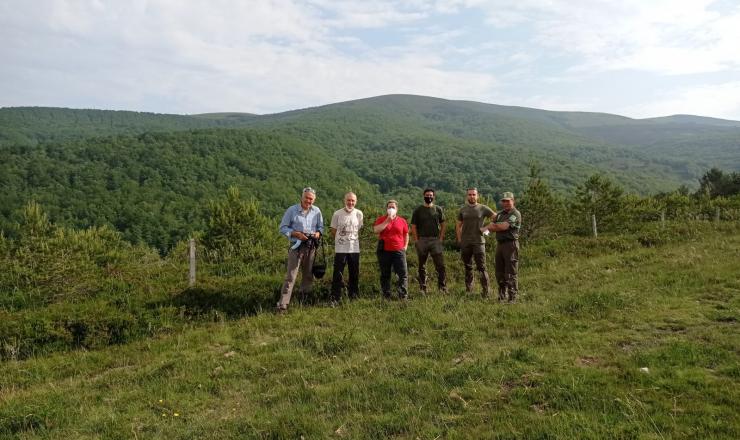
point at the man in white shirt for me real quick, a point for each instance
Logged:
(345, 228)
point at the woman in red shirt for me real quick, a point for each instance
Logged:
(393, 231)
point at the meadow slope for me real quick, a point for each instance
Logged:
(612, 339)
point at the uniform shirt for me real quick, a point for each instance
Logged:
(394, 235)
(472, 217)
(427, 220)
(514, 219)
(347, 224)
(295, 219)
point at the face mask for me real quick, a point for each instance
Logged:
(428, 200)
(391, 211)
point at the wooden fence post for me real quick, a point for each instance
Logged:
(593, 224)
(191, 275)
(662, 218)
(716, 215)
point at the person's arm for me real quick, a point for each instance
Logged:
(442, 231)
(333, 232)
(413, 232)
(458, 230)
(406, 244)
(381, 226)
(287, 229)
(497, 227)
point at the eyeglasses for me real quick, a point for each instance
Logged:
(308, 189)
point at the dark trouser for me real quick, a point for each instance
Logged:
(352, 261)
(424, 247)
(475, 252)
(395, 260)
(507, 262)
(297, 258)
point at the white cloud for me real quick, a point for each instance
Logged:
(665, 36)
(716, 100)
(274, 55)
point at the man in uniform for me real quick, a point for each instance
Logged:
(302, 224)
(507, 225)
(345, 228)
(471, 241)
(428, 230)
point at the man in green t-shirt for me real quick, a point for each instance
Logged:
(470, 238)
(428, 230)
(507, 225)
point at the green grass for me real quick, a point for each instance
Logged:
(611, 339)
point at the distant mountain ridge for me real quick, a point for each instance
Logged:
(638, 152)
(152, 175)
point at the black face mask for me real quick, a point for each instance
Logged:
(428, 200)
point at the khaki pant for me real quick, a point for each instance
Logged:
(507, 267)
(425, 246)
(297, 258)
(475, 252)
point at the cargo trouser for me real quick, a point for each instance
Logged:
(507, 265)
(477, 252)
(431, 245)
(301, 258)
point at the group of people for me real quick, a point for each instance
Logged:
(303, 224)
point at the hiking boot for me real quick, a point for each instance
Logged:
(281, 310)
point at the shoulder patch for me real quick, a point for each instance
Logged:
(512, 218)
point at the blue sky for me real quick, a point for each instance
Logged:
(635, 58)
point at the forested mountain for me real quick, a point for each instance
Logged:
(152, 175)
(626, 146)
(155, 187)
(21, 126)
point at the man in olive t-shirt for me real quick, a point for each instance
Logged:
(428, 230)
(470, 238)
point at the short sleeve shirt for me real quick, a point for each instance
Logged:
(394, 235)
(514, 219)
(472, 217)
(428, 220)
(347, 224)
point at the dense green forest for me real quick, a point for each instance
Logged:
(150, 176)
(23, 126)
(155, 187)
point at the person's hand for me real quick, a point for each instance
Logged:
(301, 236)
(317, 235)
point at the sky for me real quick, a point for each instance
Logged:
(637, 58)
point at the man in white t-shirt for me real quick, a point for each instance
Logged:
(345, 228)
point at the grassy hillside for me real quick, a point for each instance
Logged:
(610, 340)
